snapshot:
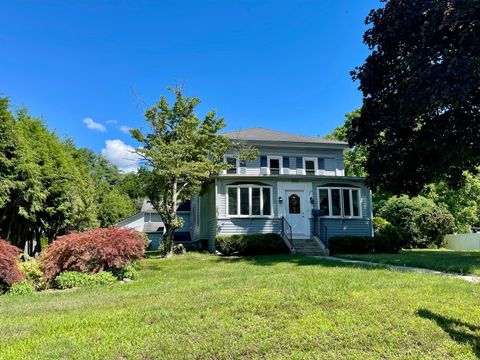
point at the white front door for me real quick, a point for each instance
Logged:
(296, 213)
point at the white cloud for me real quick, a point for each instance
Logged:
(92, 125)
(121, 155)
(125, 129)
(111, 122)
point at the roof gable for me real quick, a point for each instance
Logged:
(147, 207)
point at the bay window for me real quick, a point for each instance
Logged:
(340, 202)
(249, 201)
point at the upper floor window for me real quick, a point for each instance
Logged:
(274, 165)
(233, 162)
(249, 200)
(340, 202)
(310, 165)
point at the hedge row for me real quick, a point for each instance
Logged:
(250, 244)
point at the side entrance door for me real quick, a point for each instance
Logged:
(296, 213)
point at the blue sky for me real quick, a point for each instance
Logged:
(277, 64)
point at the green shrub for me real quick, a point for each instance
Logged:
(9, 272)
(129, 271)
(21, 288)
(92, 251)
(33, 273)
(71, 279)
(387, 237)
(43, 243)
(421, 222)
(162, 250)
(251, 244)
(350, 244)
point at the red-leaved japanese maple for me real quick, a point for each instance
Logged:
(92, 251)
(9, 272)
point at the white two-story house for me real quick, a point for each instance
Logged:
(296, 187)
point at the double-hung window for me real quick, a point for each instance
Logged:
(340, 202)
(274, 164)
(310, 165)
(233, 162)
(249, 201)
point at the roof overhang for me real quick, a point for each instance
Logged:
(296, 145)
(298, 178)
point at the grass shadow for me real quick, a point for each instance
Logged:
(299, 260)
(459, 331)
(460, 262)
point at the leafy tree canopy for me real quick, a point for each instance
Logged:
(420, 119)
(463, 203)
(180, 152)
(48, 187)
(354, 158)
(114, 207)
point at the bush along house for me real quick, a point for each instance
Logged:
(296, 188)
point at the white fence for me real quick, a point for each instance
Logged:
(463, 241)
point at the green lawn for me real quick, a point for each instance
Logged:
(461, 262)
(205, 307)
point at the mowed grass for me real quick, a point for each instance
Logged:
(460, 262)
(279, 307)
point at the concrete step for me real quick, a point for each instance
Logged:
(309, 247)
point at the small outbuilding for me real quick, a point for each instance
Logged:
(149, 221)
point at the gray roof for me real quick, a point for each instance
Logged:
(147, 207)
(153, 226)
(261, 134)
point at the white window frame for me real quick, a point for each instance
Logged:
(237, 163)
(342, 210)
(250, 215)
(315, 164)
(280, 163)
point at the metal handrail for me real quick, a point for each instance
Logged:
(320, 231)
(287, 231)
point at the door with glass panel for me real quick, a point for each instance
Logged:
(296, 213)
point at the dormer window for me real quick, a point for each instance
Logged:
(274, 165)
(233, 162)
(310, 166)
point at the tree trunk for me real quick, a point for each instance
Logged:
(38, 245)
(168, 240)
(170, 224)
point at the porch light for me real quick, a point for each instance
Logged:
(280, 200)
(311, 200)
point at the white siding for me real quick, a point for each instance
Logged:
(133, 222)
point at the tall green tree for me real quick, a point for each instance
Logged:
(49, 187)
(355, 157)
(463, 203)
(44, 190)
(115, 206)
(180, 153)
(115, 196)
(420, 118)
(131, 185)
(8, 151)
